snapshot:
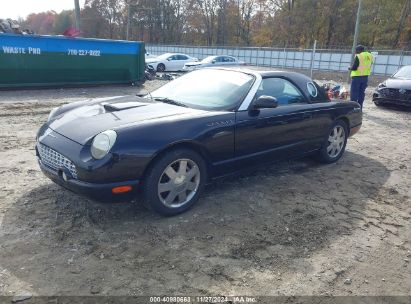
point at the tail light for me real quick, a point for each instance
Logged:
(330, 95)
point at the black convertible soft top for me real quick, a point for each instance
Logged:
(299, 79)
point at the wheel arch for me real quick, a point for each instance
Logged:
(346, 121)
(161, 64)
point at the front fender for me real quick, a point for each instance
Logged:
(212, 134)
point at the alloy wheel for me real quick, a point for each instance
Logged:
(336, 141)
(178, 183)
(161, 68)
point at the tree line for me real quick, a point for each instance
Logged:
(281, 23)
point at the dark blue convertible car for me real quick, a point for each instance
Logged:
(205, 124)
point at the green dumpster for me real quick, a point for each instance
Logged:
(46, 61)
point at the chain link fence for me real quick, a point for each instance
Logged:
(386, 62)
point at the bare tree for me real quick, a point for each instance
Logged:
(404, 15)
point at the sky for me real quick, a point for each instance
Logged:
(21, 8)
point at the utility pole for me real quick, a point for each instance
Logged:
(128, 21)
(77, 10)
(312, 58)
(357, 29)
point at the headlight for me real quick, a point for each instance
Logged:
(382, 85)
(102, 143)
(52, 112)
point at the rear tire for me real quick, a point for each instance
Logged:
(334, 145)
(175, 182)
(161, 67)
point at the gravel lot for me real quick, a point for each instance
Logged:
(294, 228)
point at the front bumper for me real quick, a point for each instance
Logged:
(102, 192)
(152, 65)
(70, 165)
(354, 130)
(377, 97)
(189, 68)
(392, 102)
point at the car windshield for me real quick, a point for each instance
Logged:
(207, 89)
(208, 59)
(403, 73)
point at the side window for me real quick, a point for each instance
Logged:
(219, 59)
(282, 89)
(182, 57)
(172, 57)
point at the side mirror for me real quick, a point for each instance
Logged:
(169, 59)
(265, 102)
(214, 61)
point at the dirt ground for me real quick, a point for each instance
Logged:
(293, 228)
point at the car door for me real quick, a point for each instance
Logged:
(182, 60)
(221, 60)
(172, 63)
(229, 60)
(281, 131)
(217, 61)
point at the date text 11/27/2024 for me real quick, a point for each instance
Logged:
(203, 299)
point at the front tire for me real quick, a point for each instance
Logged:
(161, 67)
(334, 145)
(175, 182)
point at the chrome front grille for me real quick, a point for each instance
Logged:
(55, 160)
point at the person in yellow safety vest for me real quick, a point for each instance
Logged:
(360, 70)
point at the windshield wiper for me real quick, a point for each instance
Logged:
(170, 101)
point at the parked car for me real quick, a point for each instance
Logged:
(170, 62)
(202, 125)
(396, 90)
(213, 61)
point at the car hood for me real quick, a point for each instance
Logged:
(397, 83)
(81, 124)
(151, 60)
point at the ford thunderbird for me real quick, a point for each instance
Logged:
(167, 145)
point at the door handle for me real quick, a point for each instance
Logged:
(307, 115)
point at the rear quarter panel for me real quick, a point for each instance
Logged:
(328, 112)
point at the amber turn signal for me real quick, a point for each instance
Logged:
(121, 189)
